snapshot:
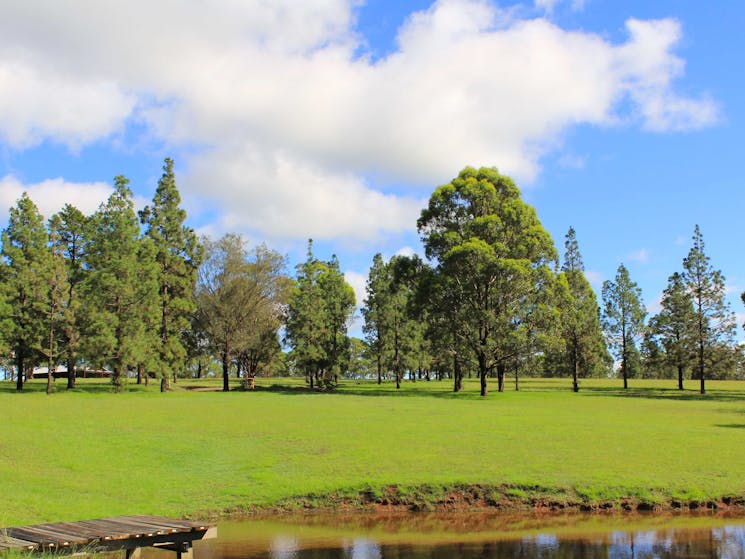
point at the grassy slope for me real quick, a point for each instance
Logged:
(91, 453)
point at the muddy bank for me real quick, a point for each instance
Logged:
(481, 498)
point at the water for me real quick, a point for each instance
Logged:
(471, 536)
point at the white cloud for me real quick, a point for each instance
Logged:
(284, 198)
(358, 282)
(732, 289)
(649, 70)
(51, 195)
(641, 256)
(36, 105)
(290, 118)
(596, 280)
(406, 251)
(549, 5)
(655, 306)
(572, 161)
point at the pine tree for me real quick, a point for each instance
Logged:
(57, 288)
(580, 321)
(321, 305)
(121, 286)
(69, 232)
(714, 323)
(674, 325)
(26, 256)
(178, 257)
(623, 319)
(376, 311)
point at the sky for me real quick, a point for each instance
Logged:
(336, 119)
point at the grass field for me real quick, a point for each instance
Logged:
(91, 453)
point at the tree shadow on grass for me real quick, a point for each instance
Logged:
(712, 395)
(732, 425)
(407, 391)
(60, 387)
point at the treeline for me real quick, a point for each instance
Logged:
(494, 302)
(139, 295)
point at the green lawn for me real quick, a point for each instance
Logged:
(91, 453)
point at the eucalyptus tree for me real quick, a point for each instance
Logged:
(69, 233)
(489, 247)
(321, 305)
(236, 290)
(582, 335)
(178, 256)
(675, 324)
(713, 322)
(121, 286)
(25, 255)
(623, 318)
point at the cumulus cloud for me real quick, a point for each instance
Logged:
(37, 105)
(288, 118)
(51, 195)
(358, 282)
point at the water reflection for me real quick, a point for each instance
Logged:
(584, 538)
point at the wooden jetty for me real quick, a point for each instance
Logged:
(128, 533)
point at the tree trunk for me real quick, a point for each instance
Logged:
(500, 377)
(680, 377)
(139, 373)
(457, 375)
(199, 367)
(71, 374)
(226, 367)
(380, 369)
(116, 377)
(575, 378)
(701, 367)
(164, 384)
(517, 381)
(20, 364)
(483, 371)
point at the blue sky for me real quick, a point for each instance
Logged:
(336, 119)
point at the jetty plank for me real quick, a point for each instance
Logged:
(116, 532)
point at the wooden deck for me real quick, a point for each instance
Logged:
(129, 533)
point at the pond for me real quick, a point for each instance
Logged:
(470, 536)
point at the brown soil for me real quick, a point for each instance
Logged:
(478, 498)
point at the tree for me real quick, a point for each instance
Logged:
(376, 311)
(57, 288)
(25, 255)
(121, 286)
(489, 247)
(674, 325)
(236, 290)
(69, 233)
(623, 318)
(178, 256)
(321, 304)
(584, 348)
(713, 322)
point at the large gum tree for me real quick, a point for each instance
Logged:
(492, 253)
